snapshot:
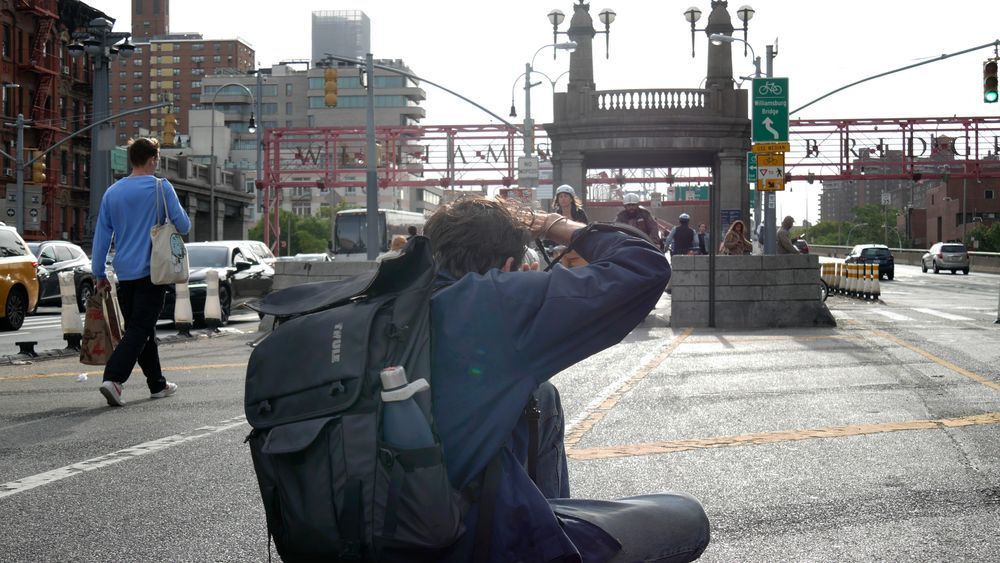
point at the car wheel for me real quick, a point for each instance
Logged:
(83, 294)
(965, 271)
(936, 269)
(923, 267)
(15, 309)
(225, 303)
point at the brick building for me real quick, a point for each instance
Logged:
(53, 93)
(167, 67)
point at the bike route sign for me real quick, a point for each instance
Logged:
(770, 110)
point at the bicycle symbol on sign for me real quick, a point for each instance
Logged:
(769, 89)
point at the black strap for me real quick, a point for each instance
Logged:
(533, 414)
(392, 499)
(351, 521)
(487, 509)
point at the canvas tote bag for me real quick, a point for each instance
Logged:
(168, 261)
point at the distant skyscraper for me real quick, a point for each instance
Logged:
(346, 32)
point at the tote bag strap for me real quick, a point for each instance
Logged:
(161, 195)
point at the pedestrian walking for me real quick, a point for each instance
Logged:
(128, 211)
(568, 206)
(640, 218)
(704, 241)
(784, 239)
(682, 239)
(735, 243)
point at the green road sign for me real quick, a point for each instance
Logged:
(751, 168)
(770, 110)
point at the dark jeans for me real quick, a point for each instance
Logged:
(664, 527)
(141, 302)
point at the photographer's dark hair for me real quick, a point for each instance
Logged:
(475, 234)
(142, 149)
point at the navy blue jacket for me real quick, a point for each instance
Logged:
(495, 338)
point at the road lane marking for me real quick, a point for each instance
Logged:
(610, 395)
(28, 483)
(761, 438)
(947, 316)
(939, 361)
(100, 369)
(891, 315)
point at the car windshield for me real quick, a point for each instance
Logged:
(948, 248)
(875, 252)
(208, 256)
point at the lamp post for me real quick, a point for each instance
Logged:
(529, 68)
(211, 173)
(770, 219)
(102, 45)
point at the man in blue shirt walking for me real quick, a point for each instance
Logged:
(128, 212)
(498, 334)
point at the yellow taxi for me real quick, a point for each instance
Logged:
(18, 279)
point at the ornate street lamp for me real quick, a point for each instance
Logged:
(745, 13)
(607, 16)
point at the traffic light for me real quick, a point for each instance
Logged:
(990, 81)
(330, 87)
(169, 129)
(37, 168)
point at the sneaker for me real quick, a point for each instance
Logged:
(169, 390)
(113, 393)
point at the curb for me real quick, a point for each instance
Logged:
(56, 353)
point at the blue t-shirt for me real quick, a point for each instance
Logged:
(495, 338)
(129, 210)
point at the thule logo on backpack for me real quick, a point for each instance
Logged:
(338, 329)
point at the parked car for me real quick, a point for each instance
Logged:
(56, 257)
(257, 247)
(873, 254)
(946, 256)
(802, 245)
(18, 279)
(243, 277)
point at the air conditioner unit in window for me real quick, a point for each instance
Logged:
(65, 69)
(8, 171)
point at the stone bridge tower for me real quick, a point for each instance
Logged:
(657, 128)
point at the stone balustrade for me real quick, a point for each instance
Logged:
(657, 100)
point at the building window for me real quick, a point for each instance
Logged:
(289, 108)
(288, 89)
(316, 83)
(137, 99)
(269, 90)
(137, 86)
(197, 46)
(269, 108)
(6, 41)
(175, 71)
(137, 62)
(123, 87)
(122, 100)
(197, 72)
(197, 59)
(316, 102)
(137, 124)
(989, 194)
(122, 74)
(137, 74)
(196, 84)
(216, 59)
(138, 6)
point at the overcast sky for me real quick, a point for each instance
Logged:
(479, 48)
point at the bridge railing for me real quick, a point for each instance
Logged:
(646, 100)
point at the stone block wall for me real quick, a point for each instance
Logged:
(750, 292)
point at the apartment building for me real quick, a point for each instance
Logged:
(168, 67)
(53, 91)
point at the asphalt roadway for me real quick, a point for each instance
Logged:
(855, 443)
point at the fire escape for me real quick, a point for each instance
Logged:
(44, 66)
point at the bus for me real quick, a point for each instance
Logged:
(350, 231)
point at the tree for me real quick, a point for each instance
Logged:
(988, 237)
(871, 224)
(309, 234)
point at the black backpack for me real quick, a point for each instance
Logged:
(332, 490)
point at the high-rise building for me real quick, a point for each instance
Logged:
(346, 33)
(291, 97)
(167, 67)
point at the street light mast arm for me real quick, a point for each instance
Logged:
(994, 44)
(415, 77)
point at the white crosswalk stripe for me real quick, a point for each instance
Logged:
(943, 315)
(891, 315)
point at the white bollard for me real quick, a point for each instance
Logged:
(997, 322)
(183, 316)
(72, 326)
(876, 285)
(866, 284)
(213, 309)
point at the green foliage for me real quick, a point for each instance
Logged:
(309, 234)
(988, 237)
(867, 227)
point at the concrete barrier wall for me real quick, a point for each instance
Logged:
(978, 261)
(287, 274)
(750, 292)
